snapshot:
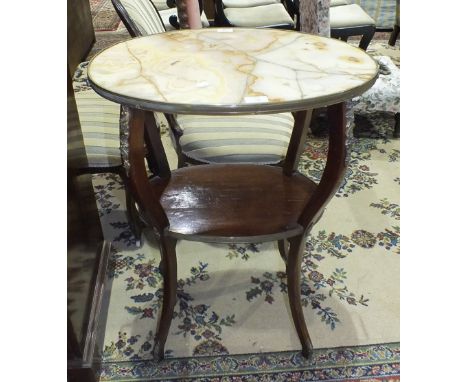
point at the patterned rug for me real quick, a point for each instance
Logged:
(104, 16)
(232, 321)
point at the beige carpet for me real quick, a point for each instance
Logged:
(232, 298)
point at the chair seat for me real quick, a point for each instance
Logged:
(261, 16)
(245, 139)
(166, 13)
(247, 3)
(349, 16)
(225, 201)
(99, 119)
(236, 139)
(337, 3)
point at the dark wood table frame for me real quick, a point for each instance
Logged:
(231, 203)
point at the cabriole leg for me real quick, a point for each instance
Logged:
(283, 249)
(293, 271)
(169, 262)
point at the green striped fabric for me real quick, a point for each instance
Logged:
(260, 139)
(144, 15)
(382, 11)
(99, 119)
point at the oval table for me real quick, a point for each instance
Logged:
(225, 71)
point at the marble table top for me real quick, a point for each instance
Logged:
(231, 71)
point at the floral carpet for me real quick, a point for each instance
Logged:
(232, 320)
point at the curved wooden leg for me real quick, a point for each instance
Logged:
(133, 216)
(293, 271)
(169, 262)
(283, 249)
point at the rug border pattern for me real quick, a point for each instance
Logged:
(377, 362)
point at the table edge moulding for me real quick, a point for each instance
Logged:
(231, 203)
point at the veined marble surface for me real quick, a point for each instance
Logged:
(231, 70)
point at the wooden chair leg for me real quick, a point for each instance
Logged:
(293, 272)
(283, 249)
(367, 37)
(169, 267)
(394, 35)
(396, 131)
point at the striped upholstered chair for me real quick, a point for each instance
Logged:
(210, 139)
(99, 120)
(382, 11)
(346, 20)
(385, 13)
(252, 14)
(351, 20)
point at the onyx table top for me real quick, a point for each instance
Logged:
(231, 71)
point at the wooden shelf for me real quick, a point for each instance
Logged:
(249, 202)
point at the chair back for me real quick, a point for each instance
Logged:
(162, 4)
(140, 17)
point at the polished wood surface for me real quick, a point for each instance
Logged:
(335, 167)
(293, 275)
(227, 201)
(168, 268)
